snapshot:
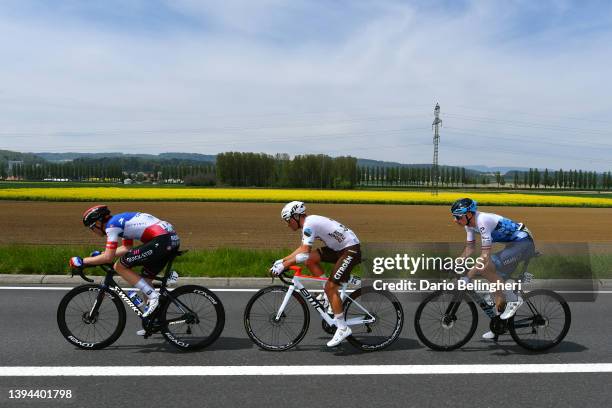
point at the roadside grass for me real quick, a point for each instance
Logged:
(235, 262)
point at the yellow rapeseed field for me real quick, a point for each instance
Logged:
(281, 195)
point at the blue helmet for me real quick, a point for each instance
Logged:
(463, 206)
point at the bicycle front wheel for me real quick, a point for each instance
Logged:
(265, 329)
(192, 318)
(541, 322)
(383, 308)
(91, 317)
(445, 321)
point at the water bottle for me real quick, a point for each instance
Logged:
(133, 295)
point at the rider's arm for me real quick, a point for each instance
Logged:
(126, 246)
(470, 248)
(108, 256)
(105, 257)
(482, 262)
(290, 259)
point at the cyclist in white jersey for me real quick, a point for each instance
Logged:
(159, 242)
(341, 248)
(498, 266)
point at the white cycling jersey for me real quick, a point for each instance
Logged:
(495, 228)
(335, 235)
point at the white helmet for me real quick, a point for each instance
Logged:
(294, 207)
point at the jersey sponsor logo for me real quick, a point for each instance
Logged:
(337, 235)
(139, 256)
(307, 232)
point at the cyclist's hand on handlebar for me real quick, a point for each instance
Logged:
(277, 268)
(76, 262)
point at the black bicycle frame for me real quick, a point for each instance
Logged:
(110, 284)
(479, 299)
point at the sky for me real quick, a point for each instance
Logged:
(520, 83)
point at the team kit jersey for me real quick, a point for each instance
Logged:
(134, 226)
(335, 235)
(495, 228)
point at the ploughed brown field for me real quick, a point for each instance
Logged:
(258, 225)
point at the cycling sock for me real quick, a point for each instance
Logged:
(340, 322)
(144, 286)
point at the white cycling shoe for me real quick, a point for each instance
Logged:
(141, 332)
(151, 306)
(340, 335)
(488, 335)
(511, 308)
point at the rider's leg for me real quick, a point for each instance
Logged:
(490, 274)
(331, 290)
(135, 280)
(313, 263)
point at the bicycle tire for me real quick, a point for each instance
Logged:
(260, 319)
(536, 319)
(209, 318)
(437, 318)
(78, 304)
(388, 314)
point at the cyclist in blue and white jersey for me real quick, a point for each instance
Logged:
(342, 248)
(159, 242)
(494, 228)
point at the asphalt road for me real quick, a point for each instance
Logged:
(30, 337)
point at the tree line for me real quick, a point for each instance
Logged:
(242, 169)
(112, 170)
(303, 171)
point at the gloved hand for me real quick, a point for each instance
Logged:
(277, 268)
(76, 262)
(95, 253)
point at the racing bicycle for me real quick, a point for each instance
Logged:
(92, 316)
(277, 317)
(446, 320)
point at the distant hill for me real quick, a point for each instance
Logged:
(193, 157)
(378, 163)
(7, 155)
(502, 170)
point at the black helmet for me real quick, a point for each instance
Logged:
(96, 213)
(462, 206)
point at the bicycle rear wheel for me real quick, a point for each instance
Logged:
(192, 318)
(91, 317)
(265, 330)
(445, 321)
(366, 303)
(541, 322)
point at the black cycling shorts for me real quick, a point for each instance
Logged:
(152, 256)
(344, 260)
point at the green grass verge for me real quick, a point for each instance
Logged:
(222, 262)
(233, 262)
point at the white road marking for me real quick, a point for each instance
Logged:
(425, 369)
